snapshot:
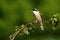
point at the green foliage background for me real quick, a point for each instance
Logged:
(17, 12)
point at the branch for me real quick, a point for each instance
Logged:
(12, 37)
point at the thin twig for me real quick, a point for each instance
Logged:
(12, 37)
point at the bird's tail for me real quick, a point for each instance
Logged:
(41, 27)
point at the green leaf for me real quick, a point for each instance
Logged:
(54, 15)
(51, 19)
(16, 26)
(54, 28)
(16, 29)
(57, 14)
(30, 28)
(22, 25)
(26, 32)
(55, 19)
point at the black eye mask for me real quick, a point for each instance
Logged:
(34, 9)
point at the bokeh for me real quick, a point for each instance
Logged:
(17, 12)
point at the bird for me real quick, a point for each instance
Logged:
(38, 17)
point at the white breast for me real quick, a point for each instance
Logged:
(35, 12)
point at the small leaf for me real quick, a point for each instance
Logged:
(22, 25)
(57, 14)
(21, 34)
(51, 19)
(16, 26)
(30, 28)
(54, 15)
(54, 28)
(26, 32)
(16, 29)
(55, 19)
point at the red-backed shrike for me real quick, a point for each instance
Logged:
(38, 17)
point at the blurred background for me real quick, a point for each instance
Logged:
(17, 12)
